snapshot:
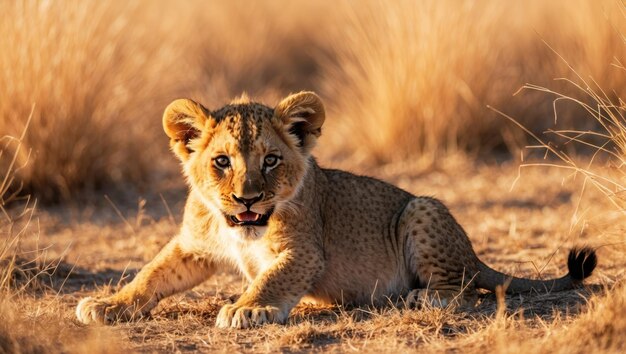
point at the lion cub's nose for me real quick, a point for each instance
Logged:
(248, 201)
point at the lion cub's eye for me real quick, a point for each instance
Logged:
(271, 160)
(222, 161)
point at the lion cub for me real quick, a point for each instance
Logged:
(259, 202)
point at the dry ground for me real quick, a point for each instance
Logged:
(402, 81)
(102, 241)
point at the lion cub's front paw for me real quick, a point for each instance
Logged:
(236, 316)
(106, 311)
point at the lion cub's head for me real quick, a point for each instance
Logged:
(245, 160)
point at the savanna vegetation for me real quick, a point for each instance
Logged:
(510, 112)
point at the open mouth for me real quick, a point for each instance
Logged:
(249, 218)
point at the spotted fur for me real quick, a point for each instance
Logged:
(320, 235)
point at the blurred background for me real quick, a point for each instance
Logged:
(83, 84)
(438, 97)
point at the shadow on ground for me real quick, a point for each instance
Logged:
(60, 276)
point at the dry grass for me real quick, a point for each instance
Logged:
(99, 75)
(413, 75)
(43, 326)
(405, 83)
(89, 70)
(516, 233)
(605, 168)
(418, 75)
(266, 49)
(602, 328)
(34, 317)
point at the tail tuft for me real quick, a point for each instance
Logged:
(581, 262)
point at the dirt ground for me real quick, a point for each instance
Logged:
(519, 222)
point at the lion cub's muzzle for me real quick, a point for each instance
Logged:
(249, 217)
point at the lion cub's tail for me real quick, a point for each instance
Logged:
(580, 263)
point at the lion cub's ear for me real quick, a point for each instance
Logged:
(302, 115)
(183, 120)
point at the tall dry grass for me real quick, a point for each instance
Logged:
(413, 78)
(600, 103)
(401, 80)
(97, 74)
(602, 328)
(33, 315)
(266, 49)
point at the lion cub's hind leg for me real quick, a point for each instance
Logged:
(439, 254)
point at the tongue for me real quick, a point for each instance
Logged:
(247, 216)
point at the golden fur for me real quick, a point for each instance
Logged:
(259, 202)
